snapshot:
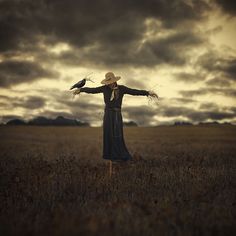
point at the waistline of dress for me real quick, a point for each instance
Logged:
(113, 109)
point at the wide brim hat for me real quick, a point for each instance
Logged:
(110, 78)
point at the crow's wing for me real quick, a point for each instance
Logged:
(78, 85)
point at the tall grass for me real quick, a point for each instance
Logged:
(53, 181)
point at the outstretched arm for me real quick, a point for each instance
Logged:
(135, 91)
(92, 90)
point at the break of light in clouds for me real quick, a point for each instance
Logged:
(184, 49)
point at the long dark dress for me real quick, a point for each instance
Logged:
(114, 147)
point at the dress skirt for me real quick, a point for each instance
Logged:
(114, 147)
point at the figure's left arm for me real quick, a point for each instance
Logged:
(132, 91)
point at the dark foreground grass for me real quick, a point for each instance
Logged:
(182, 182)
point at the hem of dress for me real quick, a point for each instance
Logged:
(117, 159)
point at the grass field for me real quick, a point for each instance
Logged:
(53, 181)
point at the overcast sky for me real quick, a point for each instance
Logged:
(185, 50)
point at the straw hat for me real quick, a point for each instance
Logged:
(110, 78)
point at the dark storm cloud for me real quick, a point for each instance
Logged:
(209, 106)
(4, 97)
(114, 28)
(86, 111)
(28, 102)
(228, 92)
(64, 99)
(135, 83)
(61, 103)
(216, 116)
(213, 63)
(189, 77)
(233, 109)
(228, 6)
(15, 72)
(53, 114)
(176, 100)
(31, 102)
(185, 100)
(143, 115)
(192, 93)
(173, 111)
(219, 82)
(195, 115)
(171, 49)
(214, 30)
(84, 107)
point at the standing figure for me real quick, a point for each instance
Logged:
(114, 148)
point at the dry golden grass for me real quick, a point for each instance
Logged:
(53, 181)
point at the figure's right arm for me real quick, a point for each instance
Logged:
(92, 90)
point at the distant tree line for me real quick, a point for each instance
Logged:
(58, 121)
(41, 120)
